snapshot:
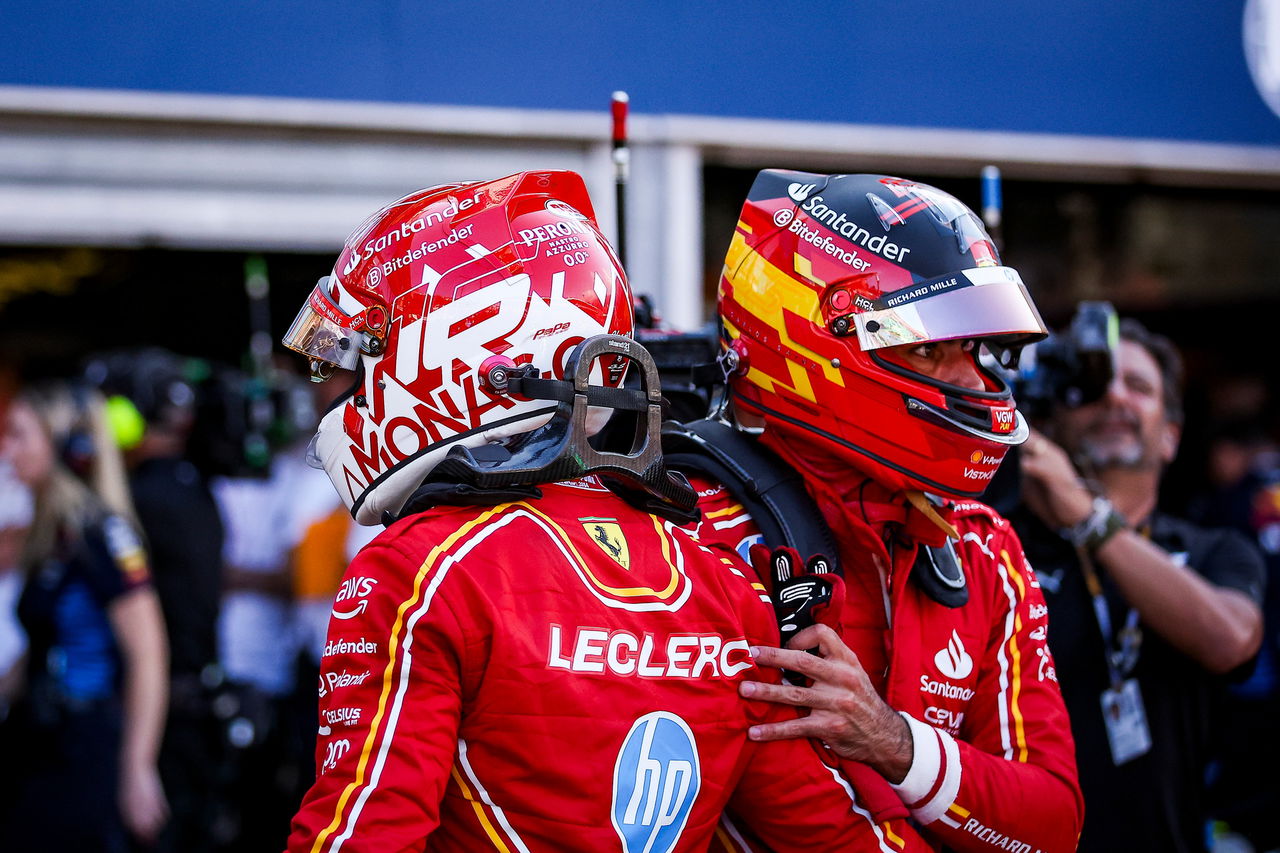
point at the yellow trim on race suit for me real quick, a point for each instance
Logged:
(388, 673)
(583, 565)
(622, 592)
(897, 840)
(729, 510)
(481, 814)
(1019, 729)
(427, 568)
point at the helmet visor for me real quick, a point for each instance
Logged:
(986, 302)
(322, 332)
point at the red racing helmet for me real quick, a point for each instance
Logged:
(825, 274)
(428, 296)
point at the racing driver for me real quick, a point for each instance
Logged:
(533, 656)
(854, 311)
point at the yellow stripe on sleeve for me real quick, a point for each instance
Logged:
(388, 674)
(481, 814)
(1020, 734)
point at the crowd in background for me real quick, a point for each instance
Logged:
(166, 571)
(167, 565)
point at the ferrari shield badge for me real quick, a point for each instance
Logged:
(607, 534)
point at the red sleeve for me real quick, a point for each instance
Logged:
(390, 699)
(1009, 781)
(790, 800)
(789, 797)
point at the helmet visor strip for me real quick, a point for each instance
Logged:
(986, 302)
(323, 333)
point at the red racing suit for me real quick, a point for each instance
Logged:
(994, 765)
(558, 674)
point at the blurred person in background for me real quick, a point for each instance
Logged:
(1148, 612)
(1245, 473)
(261, 631)
(87, 729)
(258, 644)
(16, 510)
(152, 407)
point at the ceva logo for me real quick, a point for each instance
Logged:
(953, 661)
(800, 192)
(655, 781)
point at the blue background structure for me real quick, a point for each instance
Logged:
(1170, 70)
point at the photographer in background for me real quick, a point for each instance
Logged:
(1147, 612)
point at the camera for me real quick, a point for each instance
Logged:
(1070, 368)
(687, 368)
(1066, 369)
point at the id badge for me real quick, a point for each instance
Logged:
(1126, 720)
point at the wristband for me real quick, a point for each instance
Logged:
(1097, 529)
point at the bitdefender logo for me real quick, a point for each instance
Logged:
(953, 661)
(800, 192)
(350, 647)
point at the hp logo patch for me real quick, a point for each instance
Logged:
(655, 781)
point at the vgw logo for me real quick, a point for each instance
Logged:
(655, 782)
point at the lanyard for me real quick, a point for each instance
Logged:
(1120, 660)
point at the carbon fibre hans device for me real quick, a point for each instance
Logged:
(561, 448)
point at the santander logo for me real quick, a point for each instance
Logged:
(953, 661)
(800, 192)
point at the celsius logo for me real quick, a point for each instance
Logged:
(655, 782)
(800, 192)
(953, 661)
